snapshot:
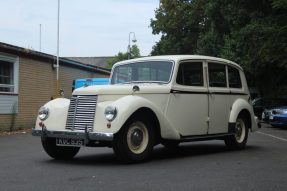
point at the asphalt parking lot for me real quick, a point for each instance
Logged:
(195, 166)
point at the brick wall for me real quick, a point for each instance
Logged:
(37, 84)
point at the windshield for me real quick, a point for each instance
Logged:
(143, 72)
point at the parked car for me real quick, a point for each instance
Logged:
(151, 100)
(276, 116)
(260, 104)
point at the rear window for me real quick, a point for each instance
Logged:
(234, 78)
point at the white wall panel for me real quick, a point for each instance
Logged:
(8, 104)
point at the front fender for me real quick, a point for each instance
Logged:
(58, 110)
(129, 104)
(238, 106)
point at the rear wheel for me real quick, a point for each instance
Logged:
(239, 139)
(135, 141)
(58, 152)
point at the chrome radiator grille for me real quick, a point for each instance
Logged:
(81, 113)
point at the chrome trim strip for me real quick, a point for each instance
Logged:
(79, 135)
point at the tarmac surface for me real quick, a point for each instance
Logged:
(195, 166)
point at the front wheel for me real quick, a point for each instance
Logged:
(239, 139)
(58, 152)
(135, 141)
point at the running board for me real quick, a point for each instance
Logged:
(204, 137)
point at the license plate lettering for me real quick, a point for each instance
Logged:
(69, 142)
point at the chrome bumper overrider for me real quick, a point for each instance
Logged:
(91, 136)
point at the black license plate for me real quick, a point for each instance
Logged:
(69, 142)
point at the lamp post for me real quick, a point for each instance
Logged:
(58, 37)
(40, 38)
(129, 46)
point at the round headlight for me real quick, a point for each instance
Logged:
(110, 113)
(43, 113)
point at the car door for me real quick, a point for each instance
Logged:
(187, 108)
(219, 98)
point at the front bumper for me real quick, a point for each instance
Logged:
(89, 136)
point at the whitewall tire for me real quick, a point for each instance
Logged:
(239, 139)
(135, 141)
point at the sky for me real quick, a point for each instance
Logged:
(87, 27)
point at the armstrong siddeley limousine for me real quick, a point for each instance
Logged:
(153, 100)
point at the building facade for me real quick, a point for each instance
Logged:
(28, 80)
(95, 61)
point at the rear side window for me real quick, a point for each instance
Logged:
(217, 75)
(190, 74)
(234, 78)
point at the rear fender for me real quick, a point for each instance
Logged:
(241, 105)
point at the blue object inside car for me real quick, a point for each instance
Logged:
(89, 81)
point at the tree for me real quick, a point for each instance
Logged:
(251, 33)
(134, 53)
(178, 23)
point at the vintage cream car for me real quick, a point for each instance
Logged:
(151, 100)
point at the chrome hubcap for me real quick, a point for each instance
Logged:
(240, 130)
(137, 137)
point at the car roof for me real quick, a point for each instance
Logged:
(177, 58)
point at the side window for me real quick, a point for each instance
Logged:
(217, 75)
(234, 78)
(190, 74)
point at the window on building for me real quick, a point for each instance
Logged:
(9, 72)
(190, 74)
(6, 76)
(217, 75)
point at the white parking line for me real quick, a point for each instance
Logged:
(279, 138)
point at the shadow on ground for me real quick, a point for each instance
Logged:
(160, 153)
(276, 127)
